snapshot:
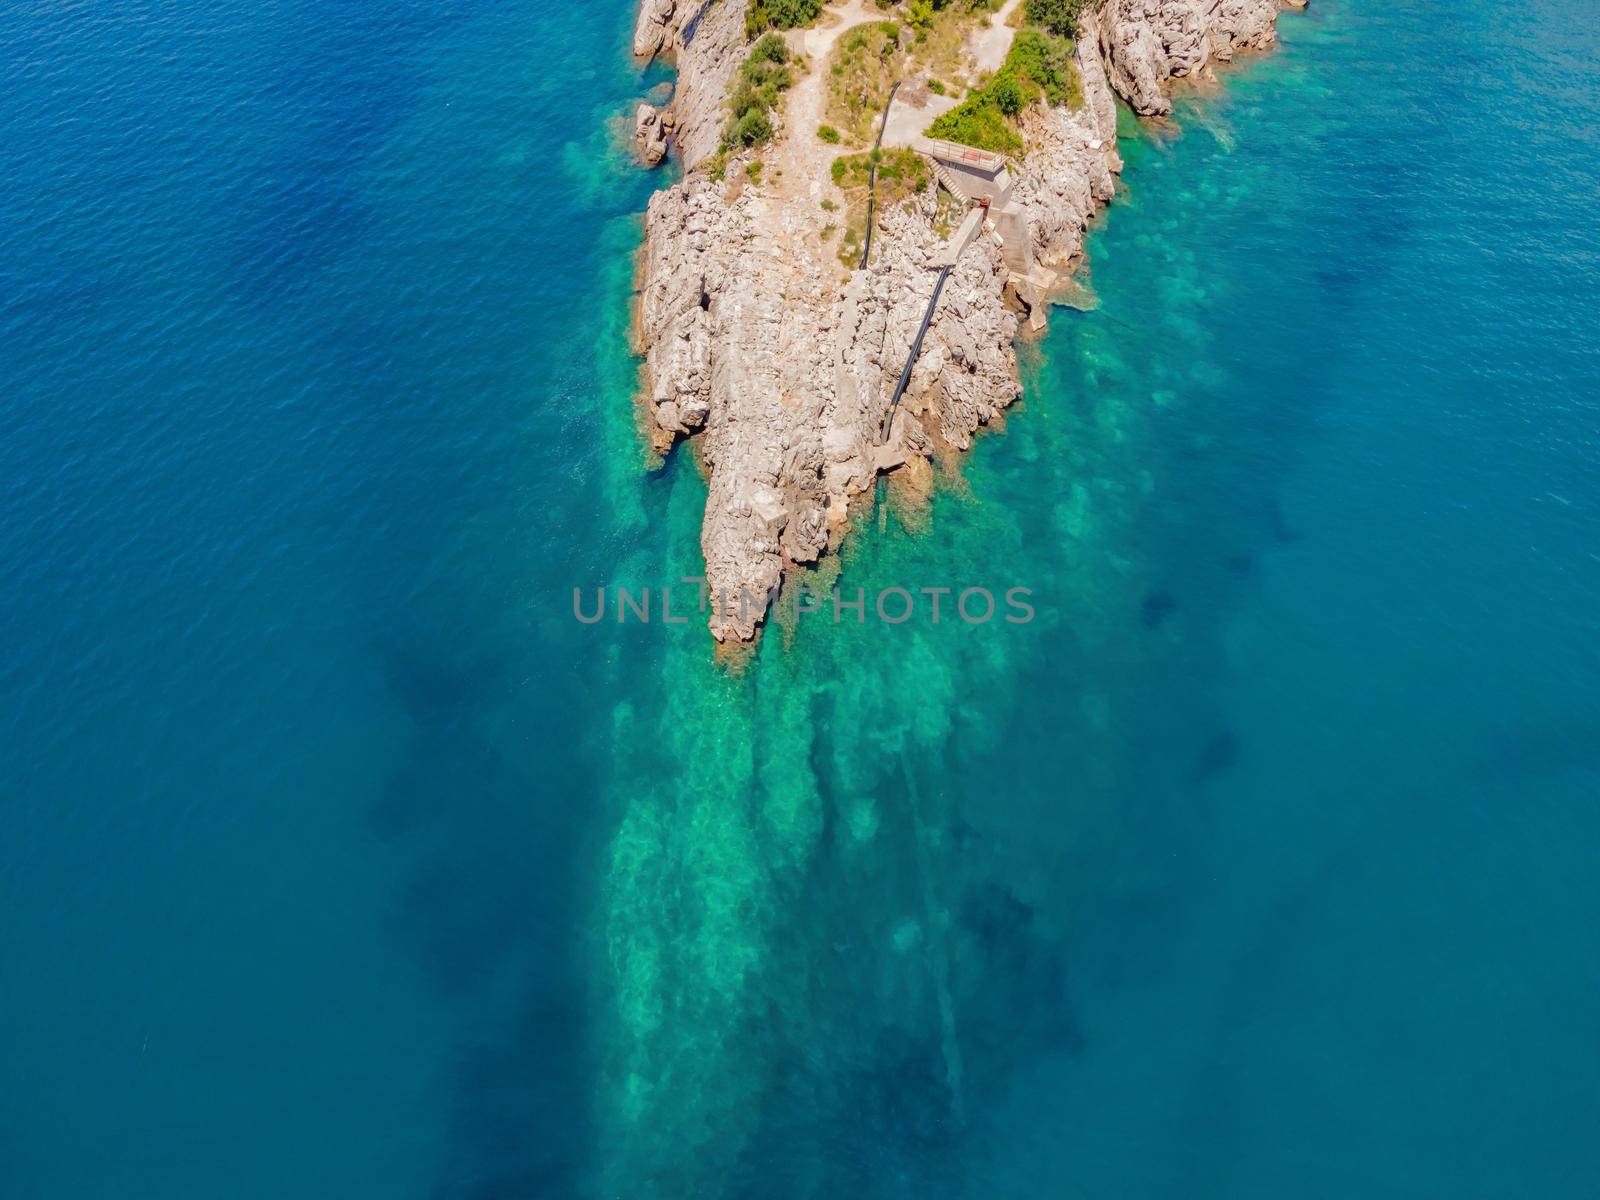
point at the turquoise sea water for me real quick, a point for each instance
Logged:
(339, 860)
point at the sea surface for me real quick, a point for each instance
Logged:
(338, 859)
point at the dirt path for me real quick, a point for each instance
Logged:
(805, 159)
(991, 46)
(914, 110)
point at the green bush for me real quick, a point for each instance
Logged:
(763, 78)
(751, 129)
(780, 14)
(1060, 17)
(771, 48)
(786, 14)
(900, 173)
(1038, 67)
(977, 121)
(1007, 95)
(1045, 62)
(828, 133)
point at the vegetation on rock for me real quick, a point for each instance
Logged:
(965, 6)
(780, 14)
(1060, 17)
(861, 71)
(763, 78)
(902, 173)
(1038, 69)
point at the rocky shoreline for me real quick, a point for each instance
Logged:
(756, 341)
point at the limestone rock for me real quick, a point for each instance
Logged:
(653, 28)
(650, 134)
(752, 344)
(1147, 42)
(707, 41)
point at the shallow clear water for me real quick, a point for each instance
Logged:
(341, 859)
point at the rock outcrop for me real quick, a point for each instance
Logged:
(706, 40)
(750, 339)
(783, 363)
(1072, 163)
(650, 127)
(654, 28)
(1148, 42)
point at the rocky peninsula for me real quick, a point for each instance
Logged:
(762, 334)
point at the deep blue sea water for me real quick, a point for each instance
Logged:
(338, 860)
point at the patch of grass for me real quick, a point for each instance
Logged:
(901, 173)
(1038, 69)
(936, 87)
(948, 213)
(850, 247)
(828, 205)
(752, 171)
(763, 78)
(940, 36)
(828, 134)
(862, 69)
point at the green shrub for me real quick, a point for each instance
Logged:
(1038, 67)
(1060, 17)
(771, 48)
(900, 173)
(1045, 62)
(780, 14)
(1007, 95)
(976, 121)
(828, 133)
(751, 129)
(763, 78)
(936, 87)
(786, 14)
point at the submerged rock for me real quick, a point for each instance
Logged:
(650, 126)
